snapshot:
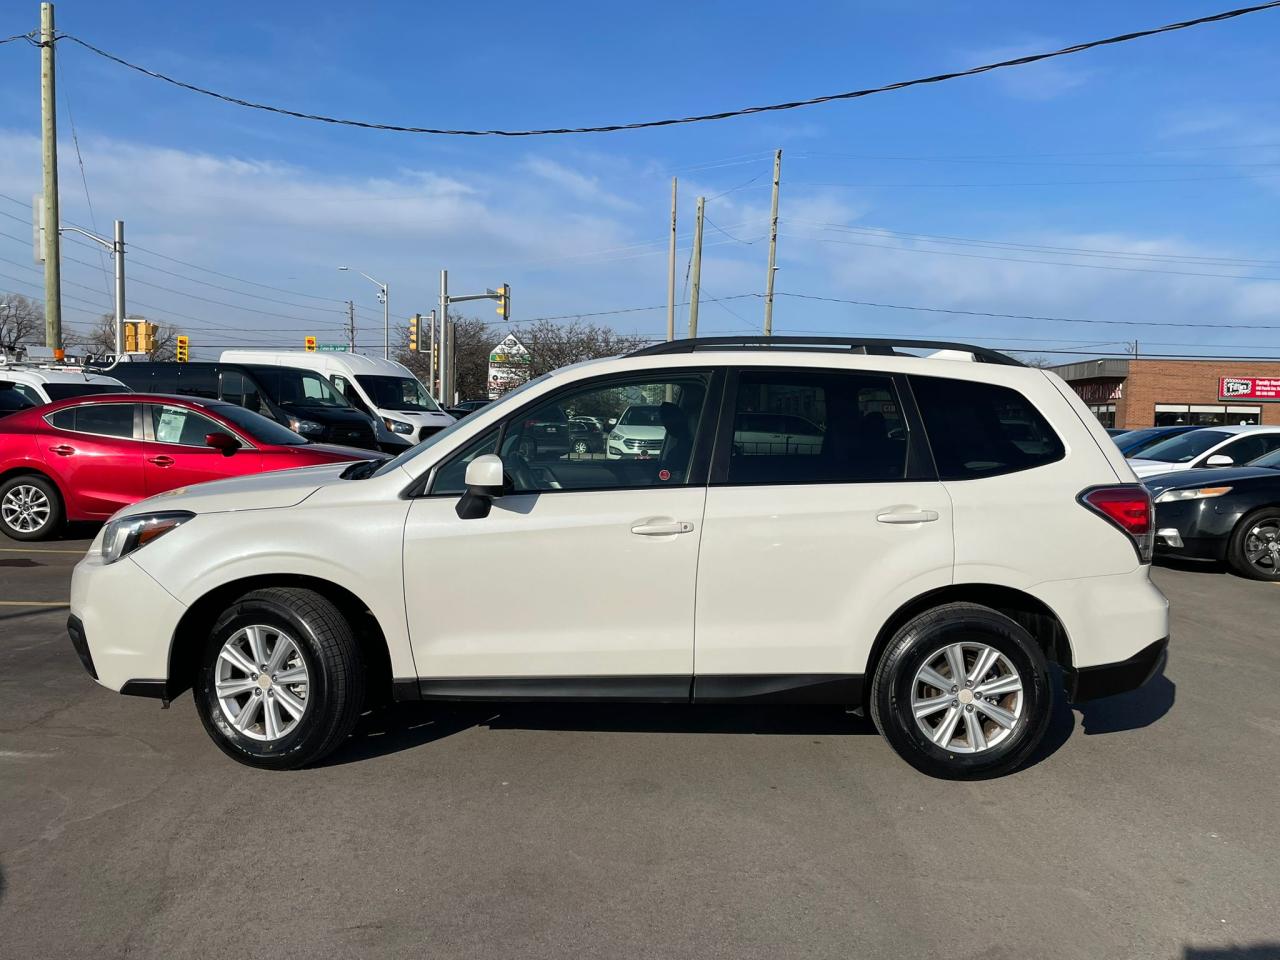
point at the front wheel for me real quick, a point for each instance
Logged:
(1254, 549)
(962, 692)
(281, 681)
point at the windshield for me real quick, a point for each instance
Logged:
(258, 427)
(1185, 447)
(290, 387)
(641, 417)
(397, 393)
(504, 401)
(65, 391)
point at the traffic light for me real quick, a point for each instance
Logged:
(181, 352)
(504, 302)
(131, 338)
(146, 336)
(310, 344)
(414, 323)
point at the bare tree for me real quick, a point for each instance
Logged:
(21, 321)
(472, 340)
(1037, 361)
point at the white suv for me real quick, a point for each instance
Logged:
(953, 525)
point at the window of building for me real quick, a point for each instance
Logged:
(1105, 412)
(981, 430)
(820, 427)
(1206, 414)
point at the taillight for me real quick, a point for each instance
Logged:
(1129, 508)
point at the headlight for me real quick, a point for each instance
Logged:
(123, 537)
(1204, 493)
(308, 428)
(615, 435)
(398, 426)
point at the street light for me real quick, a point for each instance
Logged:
(386, 311)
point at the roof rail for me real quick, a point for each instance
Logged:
(883, 347)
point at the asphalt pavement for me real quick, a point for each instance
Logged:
(1146, 827)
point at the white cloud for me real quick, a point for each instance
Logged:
(1045, 80)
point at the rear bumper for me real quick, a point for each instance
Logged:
(1108, 679)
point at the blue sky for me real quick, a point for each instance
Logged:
(1165, 153)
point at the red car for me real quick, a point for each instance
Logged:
(85, 458)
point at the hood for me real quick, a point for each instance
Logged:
(1149, 468)
(423, 418)
(636, 431)
(1210, 477)
(256, 491)
(327, 415)
(332, 452)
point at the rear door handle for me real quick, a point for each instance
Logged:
(62, 450)
(161, 461)
(908, 516)
(661, 527)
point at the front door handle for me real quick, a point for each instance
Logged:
(63, 450)
(161, 461)
(908, 516)
(661, 527)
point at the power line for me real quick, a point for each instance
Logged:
(723, 115)
(1024, 316)
(1030, 183)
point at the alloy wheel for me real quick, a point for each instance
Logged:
(967, 697)
(1262, 546)
(25, 508)
(262, 682)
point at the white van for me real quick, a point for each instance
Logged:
(403, 410)
(43, 385)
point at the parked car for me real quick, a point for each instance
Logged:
(44, 385)
(385, 390)
(1114, 432)
(465, 407)
(1132, 443)
(1227, 514)
(302, 400)
(638, 433)
(585, 436)
(85, 458)
(1207, 447)
(910, 580)
(11, 400)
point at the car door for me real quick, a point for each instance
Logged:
(808, 547)
(175, 453)
(95, 450)
(580, 581)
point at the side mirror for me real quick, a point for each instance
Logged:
(1219, 460)
(484, 479)
(225, 443)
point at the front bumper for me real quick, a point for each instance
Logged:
(1108, 679)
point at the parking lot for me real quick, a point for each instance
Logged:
(1146, 827)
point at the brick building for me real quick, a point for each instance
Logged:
(1146, 393)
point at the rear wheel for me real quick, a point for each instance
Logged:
(1254, 550)
(281, 681)
(962, 692)
(30, 508)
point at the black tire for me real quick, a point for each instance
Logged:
(1238, 560)
(54, 500)
(919, 641)
(336, 677)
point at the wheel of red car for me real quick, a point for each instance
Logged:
(30, 508)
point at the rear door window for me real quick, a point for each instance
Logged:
(983, 430)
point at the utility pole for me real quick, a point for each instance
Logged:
(448, 349)
(117, 250)
(49, 144)
(442, 361)
(351, 324)
(671, 269)
(773, 247)
(696, 287)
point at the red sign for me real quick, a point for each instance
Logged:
(1249, 388)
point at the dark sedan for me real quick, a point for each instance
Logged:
(1231, 515)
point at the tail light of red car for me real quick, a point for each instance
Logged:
(1127, 507)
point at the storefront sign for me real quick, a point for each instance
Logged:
(508, 366)
(1249, 388)
(1100, 392)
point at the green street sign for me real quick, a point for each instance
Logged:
(332, 347)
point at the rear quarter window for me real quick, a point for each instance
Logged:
(983, 430)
